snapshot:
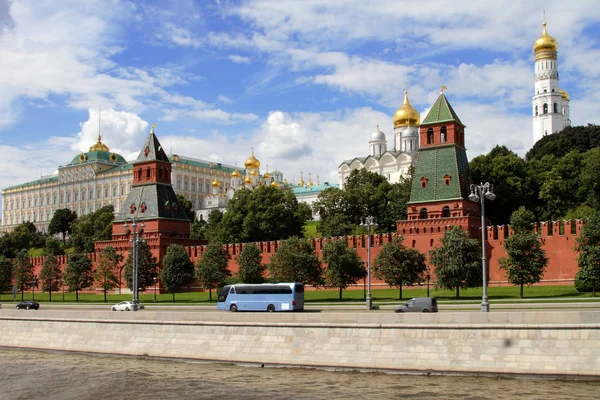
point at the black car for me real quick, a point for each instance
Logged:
(28, 305)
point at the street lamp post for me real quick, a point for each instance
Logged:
(369, 223)
(155, 280)
(33, 284)
(478, 194)
(428, 278)
(63, 288)
(135, 241)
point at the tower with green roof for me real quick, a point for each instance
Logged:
(440, 185)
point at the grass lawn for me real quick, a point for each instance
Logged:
(310, 230)
(39, 251)
(382, 296)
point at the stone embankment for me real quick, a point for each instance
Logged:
(557, 343)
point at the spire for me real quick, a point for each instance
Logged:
(441, 111)
(152, 149)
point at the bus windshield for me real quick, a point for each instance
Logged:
(262, 297)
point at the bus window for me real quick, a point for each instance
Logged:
(223, 293)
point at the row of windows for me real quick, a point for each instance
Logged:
(33, 216)
(545, 109)
(445, 212)
(76, 195)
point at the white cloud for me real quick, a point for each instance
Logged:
(239, 59)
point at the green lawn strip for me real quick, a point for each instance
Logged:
(310, 230)
(504, 295)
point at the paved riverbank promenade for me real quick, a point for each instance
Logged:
(554, 343)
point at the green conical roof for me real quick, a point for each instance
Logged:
(441, 111)
(152, 150)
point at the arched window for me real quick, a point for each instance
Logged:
(545, 108)
(443, 134)
(447, 179)
(430, 242)
(414, 243)
(114, 190)
(423, 213)
(106, 192)
(423, 182)
(122, 189)
(430, 136)
(555, 108)
(536, 110)
(148, 173)
(139, 174)
(446, 212)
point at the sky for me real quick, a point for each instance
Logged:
(303, 83)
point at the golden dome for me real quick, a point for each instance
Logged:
(248, 180)
(236, 174)
(252, 162)
(301, 182)
(99, 146)
(267, 175)
(216, 183)
(564, 94)
(545, 42)
(309, 183)
(254, 173)
(275, 184)
(406, 114)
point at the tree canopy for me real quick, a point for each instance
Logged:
(187, 207)
(79, 273)
(147, 267)
(212, 268)
(177, 270)
(295, 261)
(5, 274)
(61, 222)
(92, 227)
(251, 269)
(344, 266)
(22, 271)
(588, 245)
(107, 271)
(51, 275)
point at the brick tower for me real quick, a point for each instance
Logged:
(440, 186)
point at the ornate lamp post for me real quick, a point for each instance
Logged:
(155, 280)
(63, 288)
(33, 285)
(478, 194)
(369, 223)
(428, 277)
(135, 239)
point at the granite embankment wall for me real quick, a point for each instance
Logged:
(531, 343)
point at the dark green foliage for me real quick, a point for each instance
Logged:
(295, 261)
(526, 260)
(397, 265)
(107, 272)
(51, 275)
(580, 138)
(22, 271)
(147, 267)
(334, 213)
(265, 213)
(61, 222)
(208, 230)
(582, 285)
(251, 268)
(588, 245)
(187, 207)
(79, 273)
(177, 270)
(559, 192)
(589, 191)
(92, 227)
(212, 268)
(344, 266)
(5, 274)
(23, 237)
(53, 247)
(457, 261)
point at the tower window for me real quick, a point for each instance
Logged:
(545, 90)
(443, 135)
(545, 108)
(139, 174)
(447, 179)
(423, 182)
(446, 212)
(536, 110)
(423, 213)
(555, 108)
(430, 136)
(148, 173)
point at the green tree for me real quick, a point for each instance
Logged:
(526, 260)
(265, 213)
(187, 207)
(106, 273)
(457, 261)
(398, 265)
(251, 268)
(147, 267)
(79, 273)
(588, 246)
(212, 268)
(5, 274)
(589, 190)
(53, 247)
(177, 270)
(561, 186)
(580, 138)
(344, 266)
(51, 275)
(368, 193)
(91, 228)
(208, 230)
(334, 213)
(22, 271)
(295, 261)
(61, 222)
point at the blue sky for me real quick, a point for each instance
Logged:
(303, 82)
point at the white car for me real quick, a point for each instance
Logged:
(123, 306)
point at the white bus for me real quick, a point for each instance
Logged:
(262, 297)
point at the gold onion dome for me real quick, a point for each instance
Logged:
(275, 184)
(99, 146)
(252, 162)
(406, 114)
(236, 174)
(216, 183)
(253, 173)
(267, 175)
(301, 182)
(564, 94)
(248, 180)
(545, 42)
(309, 183)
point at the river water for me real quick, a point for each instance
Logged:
(28, 374)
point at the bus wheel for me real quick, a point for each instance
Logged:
(233, 308)
(271, 308)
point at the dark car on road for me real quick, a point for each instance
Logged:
(28, 305)
(419, 304)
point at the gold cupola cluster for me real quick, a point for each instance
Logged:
(564, 94)
(236, 174)
(406, 114)
(99, 146)
(216, 183)
(545, 42)
(252, 162)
